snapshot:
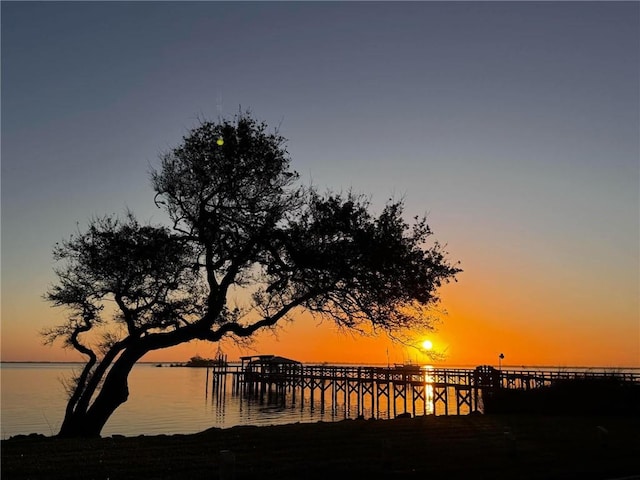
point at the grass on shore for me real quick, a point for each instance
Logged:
(474, 446)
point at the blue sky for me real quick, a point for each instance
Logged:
(513, 125)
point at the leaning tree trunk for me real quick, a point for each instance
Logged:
(114, 392)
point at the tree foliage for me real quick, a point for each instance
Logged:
(239, 222)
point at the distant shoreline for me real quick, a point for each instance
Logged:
(504, 367)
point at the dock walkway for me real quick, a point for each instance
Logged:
(408, 389)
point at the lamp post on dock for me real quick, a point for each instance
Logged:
(500, 358)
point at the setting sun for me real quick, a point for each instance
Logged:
(427, 345)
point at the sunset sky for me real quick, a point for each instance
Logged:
(514, 126)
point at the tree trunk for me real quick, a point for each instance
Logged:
(114, 392)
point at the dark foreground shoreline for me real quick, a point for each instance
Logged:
(473, 446)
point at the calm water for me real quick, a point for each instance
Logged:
(161, 401)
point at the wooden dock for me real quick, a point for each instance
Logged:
(396, 390)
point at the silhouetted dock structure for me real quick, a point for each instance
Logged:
(412, 389)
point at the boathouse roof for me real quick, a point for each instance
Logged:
(269, 359)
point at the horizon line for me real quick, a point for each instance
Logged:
(443, 365)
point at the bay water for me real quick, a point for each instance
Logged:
(164, 400)
(167, 400)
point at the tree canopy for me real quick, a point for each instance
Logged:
(240, 221)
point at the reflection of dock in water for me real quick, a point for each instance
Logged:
(398, 389)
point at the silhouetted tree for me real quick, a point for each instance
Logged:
(239, 224)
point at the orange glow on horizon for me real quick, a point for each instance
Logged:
(474, 332)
